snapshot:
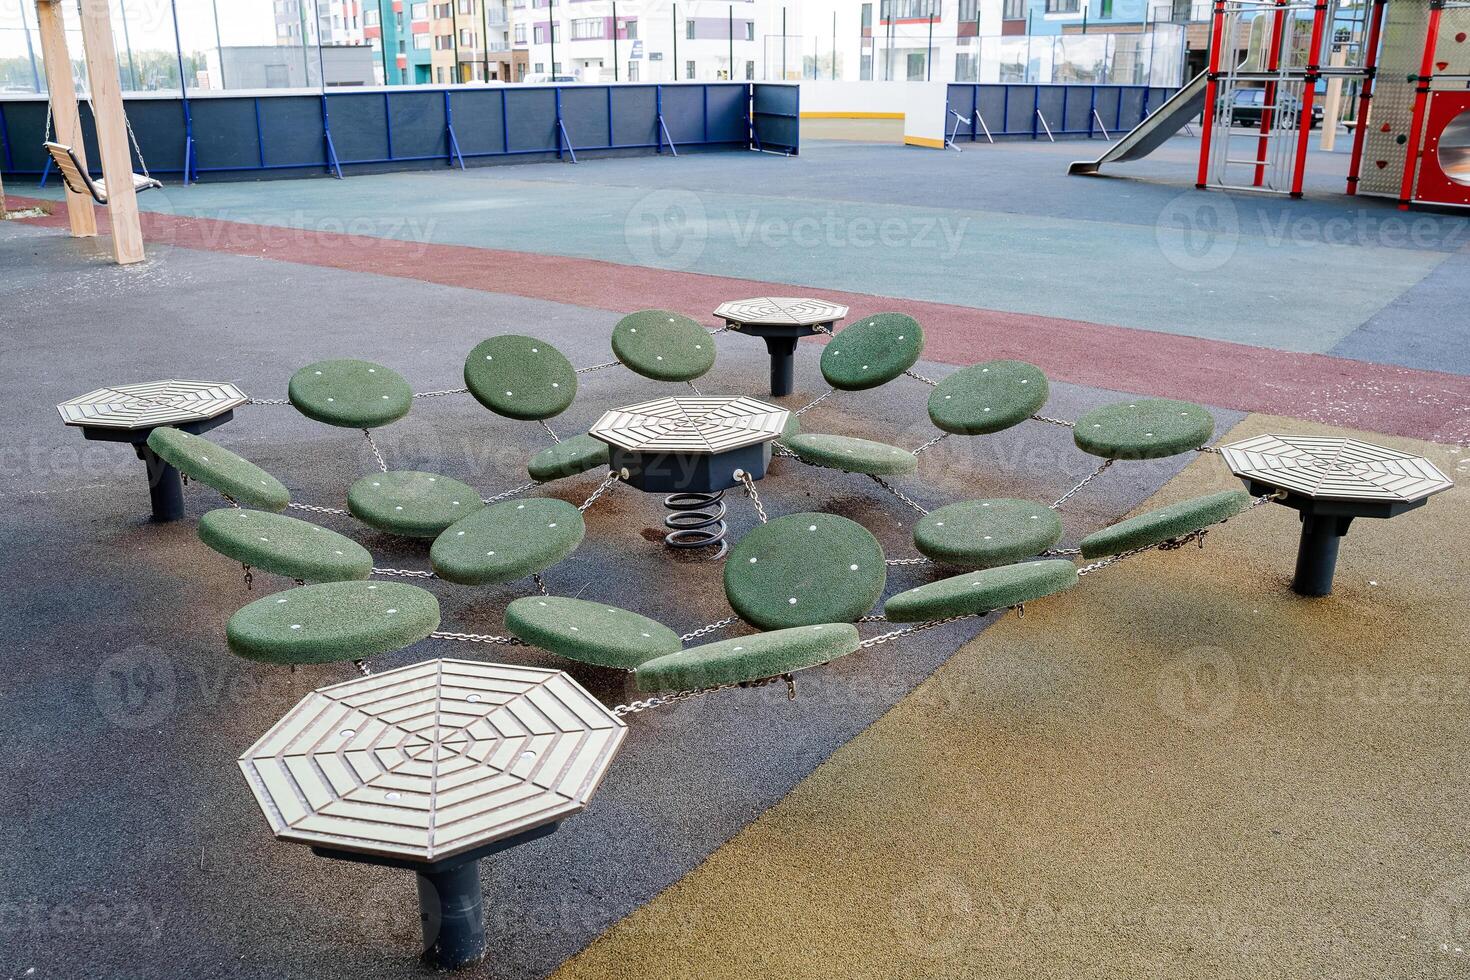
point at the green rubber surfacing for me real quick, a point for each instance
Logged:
(215, 466)
(976, 593)
(987, 397)
(568, 458)
(351, 394)
(284, 546)
(410, 503)
(332, 622)
(851, 455)
(507, 541)
(872, 352)
(1143, 428)
(663, 345)
(986, 533)
(805, 570)
(590, 632)
(520, 377)
(749, 658)
(1157, 526)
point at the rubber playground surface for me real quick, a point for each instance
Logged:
(1178, 768)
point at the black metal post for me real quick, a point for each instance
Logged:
(454, 33)
(485, 15)
(165, 487)
(219, 43)
(732, 42)
(451, 908)
(783, 44)
(128, 43)
(383, 42)
(31, 53)
(1316, 556)
(834, 45)
(674, 30)
(929, 52)
(551, 30)
(783, 364)
(617, 76)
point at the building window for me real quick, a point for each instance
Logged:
(439, 74)
(540, 34)
(466, 6)
(750, 30)
(1107, 8)
(540, 67)
(1063, 6)
(421, 42)
(370, 18)
(911, 9)
(467, 38)
(689, 69)
(588, 28)
(969, 11)
(689, 29)
(632, 71)
(750, 71)
(443, 11)
(1014, 10)
(520, 33)
(630, 30)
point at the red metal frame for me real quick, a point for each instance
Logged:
(1365, 96)
(1435, 186)
(1421, 102)
(1309, 98)
(1278, 28)
(1212, 91)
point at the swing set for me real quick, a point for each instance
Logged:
(119, 186)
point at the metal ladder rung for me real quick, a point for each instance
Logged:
(1253, 163)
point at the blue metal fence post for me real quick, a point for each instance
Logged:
(30, 51)
(331, 148)
(5, 141)
(1091, 111)
(451, 141)
(505, 120)
(259, 134)
(388, 121)
(189, 161)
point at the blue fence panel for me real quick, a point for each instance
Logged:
(1010, 109)
(775, 117)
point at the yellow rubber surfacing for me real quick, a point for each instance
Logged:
(1177, 769)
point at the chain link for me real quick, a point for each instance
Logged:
(267, 401)
(1173, 544)
(598, 367)
(514, 492)
(363, 668)
(540, 583)
(505, 641)
(897, 493)
(382, 464)
(402, 573)
(1051, 421)
(711, 628)
(659, 701)
(1085, 481)
(815, 402)
(694, 388)
(550, 431)
(441, 394)
(315, 509)
(602, 488)
(932, 443)
(882, 638)
(908, 561)
(755, 498)
(919, 377)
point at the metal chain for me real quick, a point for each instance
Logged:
(313, 508)
(694, 388)
(1174, 544)
(779, 450)
(1051, 421)
(382, 464)
(402, 573)
(897, 493)
(514, 492)
(910, 630)
(908, 561)
(363, 668)
(659, 701)
(1061, 552)
(267, 401)
(1207, 449)
(815, 401)
(540, 583)
(602, 488)
(919, 377)
(755, 498)
(1085, 481)
(598, 367)
(932, 442)
(718, 330)
(711, 628)
(441, 394)
(507, 641)
(550, 431)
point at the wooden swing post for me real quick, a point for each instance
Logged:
(65, 114)
(112, 132)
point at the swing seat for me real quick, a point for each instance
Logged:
(75, 176)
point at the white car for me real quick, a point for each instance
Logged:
(541, 78)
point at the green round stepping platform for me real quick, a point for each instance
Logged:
(974, 593)
(852, 455)
(872, 352)
(985, 533)
(568, 458)
(352, 394)
(987, 397)
(663, 345)
(334, 621)
(590, 632)
(1144, 428)
(520, 377)
(413, 504)
(1158, 526)
(805, 569)
(215, 466)
(507, 541)
(791, 428)
(749, 658)
(285, 546)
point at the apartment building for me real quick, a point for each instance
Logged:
(652, 40)
(919, 40)
(440, 42)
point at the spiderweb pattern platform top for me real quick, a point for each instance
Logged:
(690, 425)
(785, 311)
(151, 404)
(1335, 469)
(431, 760)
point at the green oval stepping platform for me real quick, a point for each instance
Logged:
(285, 546)
(987, 397)
(413, 504)
(567, 458)
(351, 394)
(520, 377)
(507, 541)
(986, 533)
(1144, 428)
(975, 593)
(590, 632)
(1158, 526)
(663, 345)
(334, 621)
(749, 658)
(852, 455)
(791, 428)
(215, 466)
(803, 570)
(872, 352)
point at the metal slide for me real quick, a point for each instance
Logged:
(1149, 135)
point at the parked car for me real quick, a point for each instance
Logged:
(542, 78)
(1250, 104)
